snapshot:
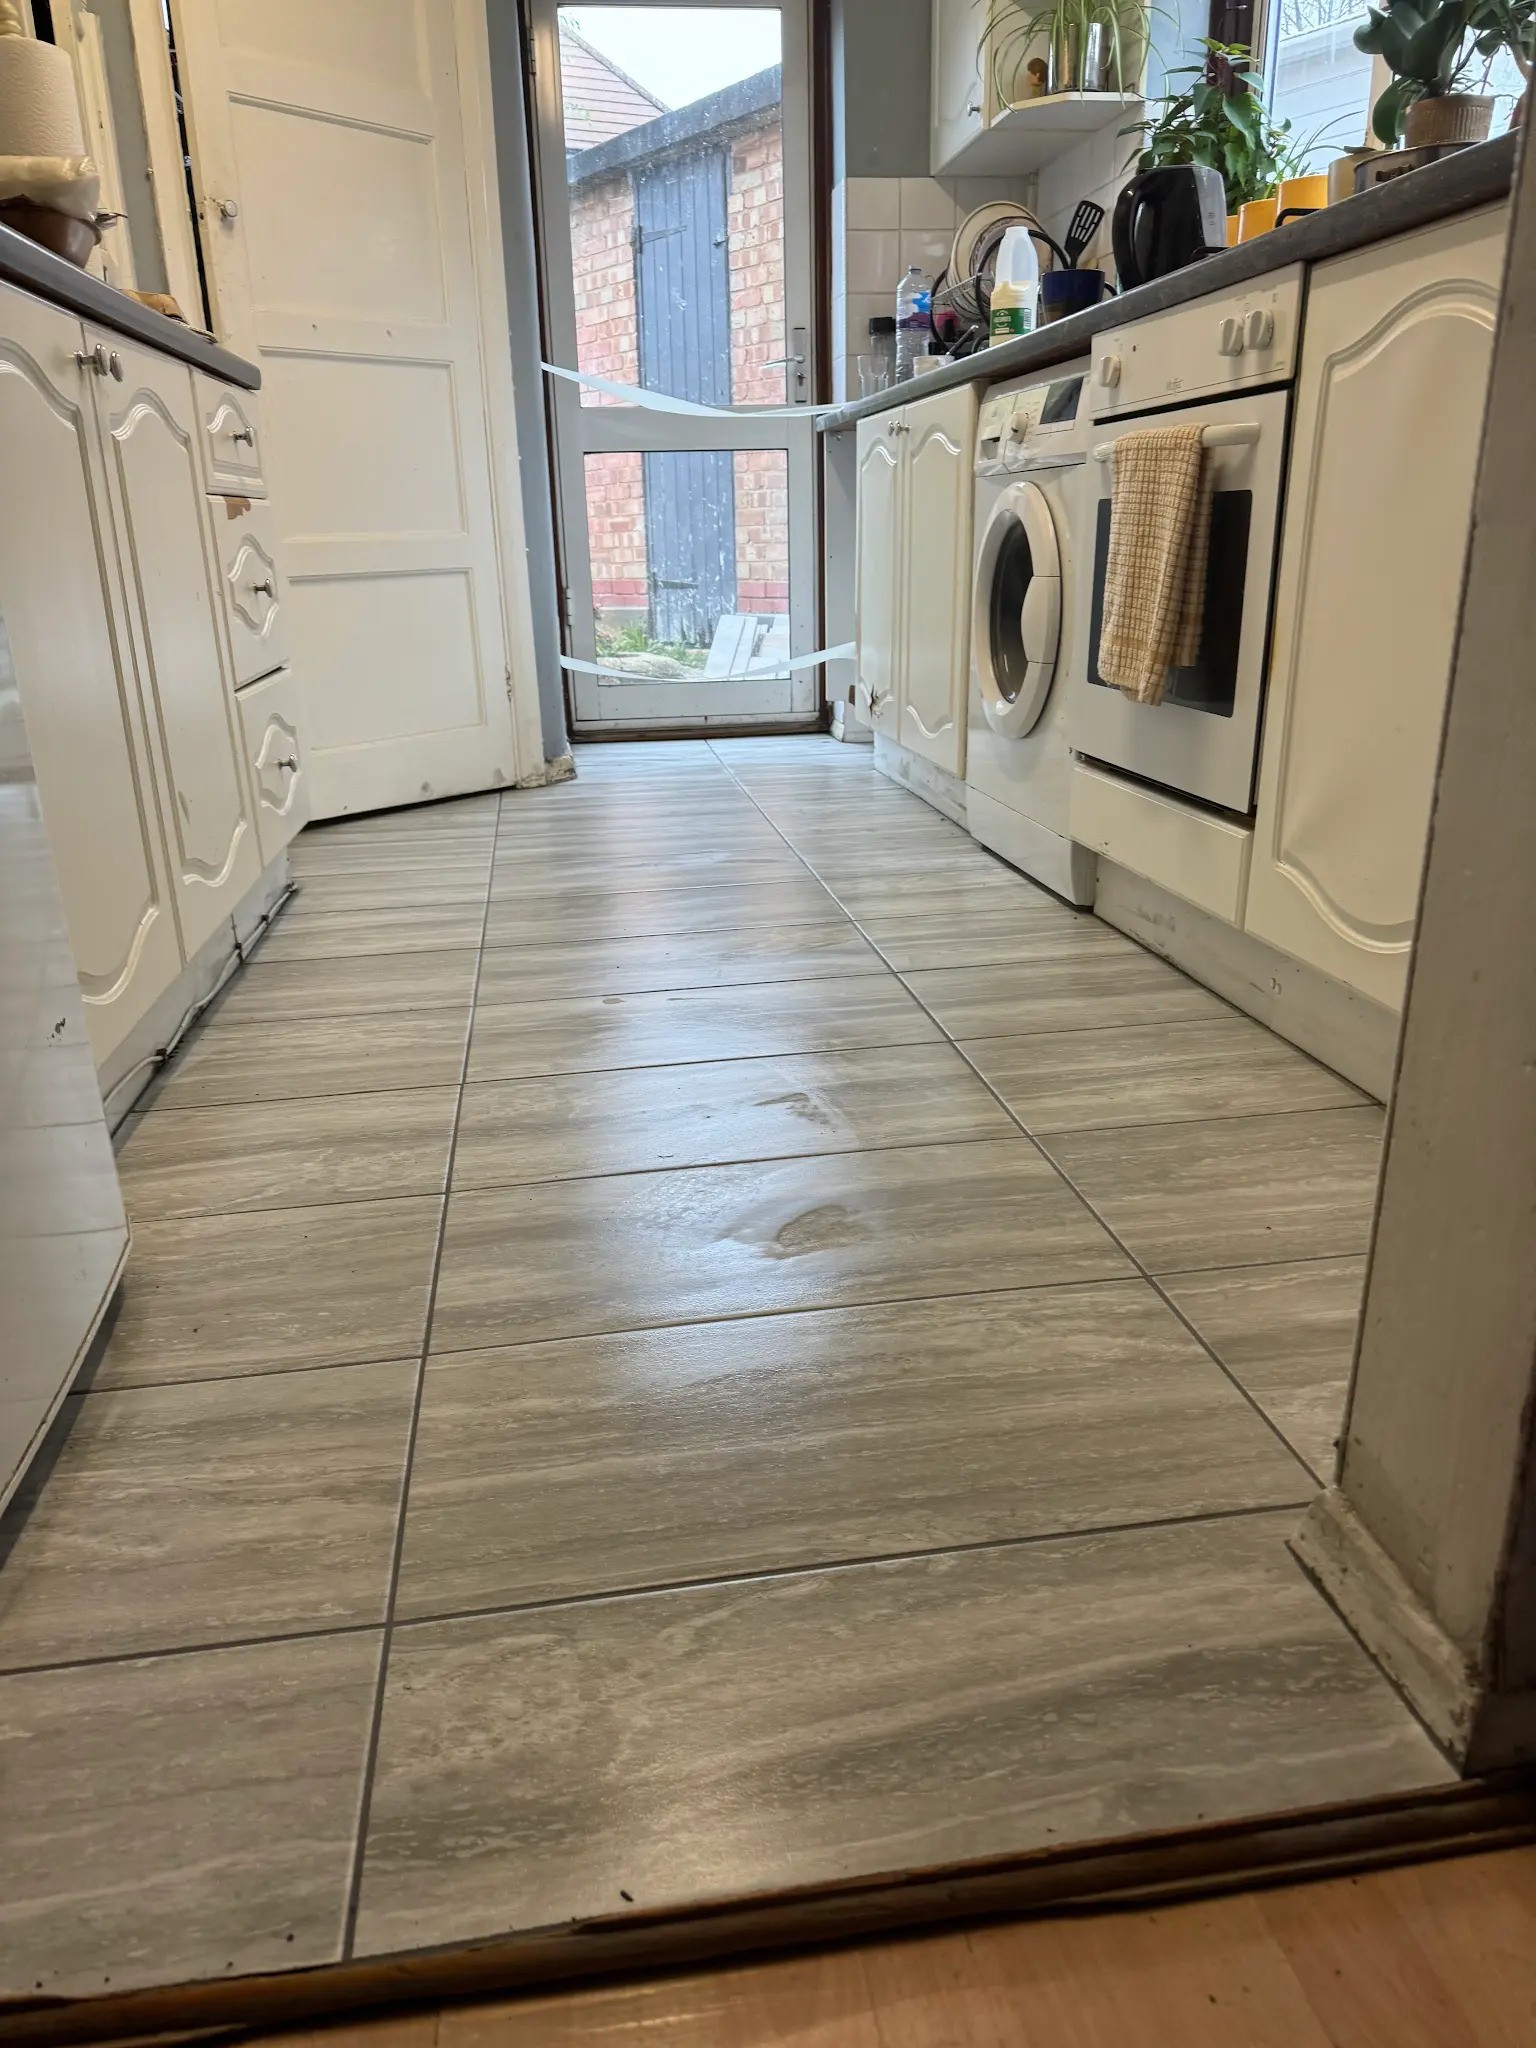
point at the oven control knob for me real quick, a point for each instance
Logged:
(1260, 328)
(1109, 369)
(1229, 341)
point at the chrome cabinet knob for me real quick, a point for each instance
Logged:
(227, 209)
(262, 590)
(94, 360)
(243, 434)
(115, 365)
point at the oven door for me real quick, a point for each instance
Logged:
(1203, 739)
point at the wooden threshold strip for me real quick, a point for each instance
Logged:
(1481, 1814)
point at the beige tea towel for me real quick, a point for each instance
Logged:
(1159, 544)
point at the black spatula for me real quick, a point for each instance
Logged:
(1081, 229)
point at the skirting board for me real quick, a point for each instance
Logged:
(945, 792)
(1476, 1728)
(1345, 1030)
(1152, 1869)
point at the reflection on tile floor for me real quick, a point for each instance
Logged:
(596, 1278)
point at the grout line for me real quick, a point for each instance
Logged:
(1115, 1237)
(371, 1754)
(659, 1588)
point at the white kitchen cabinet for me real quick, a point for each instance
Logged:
(962, 90)
(253, 590)
(1388, 412)
(63, 608)
(877, 570)
(231, 437)
(939, 452)
(151, 432)
(269, 718)
(915, 496)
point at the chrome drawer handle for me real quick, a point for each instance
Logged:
(262, 590)
(243, 434)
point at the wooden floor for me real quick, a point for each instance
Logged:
(1434, 1955)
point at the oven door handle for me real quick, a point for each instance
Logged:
(1241, 434)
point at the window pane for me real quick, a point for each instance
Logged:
(690, 562)
(674, 158)
(1317, 79)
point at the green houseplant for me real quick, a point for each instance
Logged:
(1089, 45)
(1220, 120)
(1430, 46)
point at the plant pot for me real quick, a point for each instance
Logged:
(1447, 117)
(74, 240)
(1081, 58)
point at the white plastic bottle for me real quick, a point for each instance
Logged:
(914, 329)
(1015, 288)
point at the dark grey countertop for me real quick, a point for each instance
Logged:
(1470, 178)
(38, 270)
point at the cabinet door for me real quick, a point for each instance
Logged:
(961, 88)
(876, 593)
(254, 610)
(940, 453)
(150, 429)
(269, 719)
(1389, 406)
(61, 598)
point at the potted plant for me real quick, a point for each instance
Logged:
(1090, 45)
(1220, 120)
(1508, 25)
(1429, 46)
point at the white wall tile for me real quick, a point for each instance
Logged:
(926, 204)
(874, 260)
(872, 202)
(930, 248)
(862, 308)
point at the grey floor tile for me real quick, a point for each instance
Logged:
(576, 1258)
(207, 1297)
(596, 913)
(230, 1062)
(358, 986)
(181, 1817)
(286, 1155)
(740, 1738)
(550, 969)
(1243, 1191)
(1154, 1074)
(185, 1515)
(345, 857)
(1288, 1334)
(634, 1119)
(641, 1459)
(1030, 928)
(943, 893)
(585, 1033)
(1099, 990)
(303, 933)
(525, 873)
(433, 882)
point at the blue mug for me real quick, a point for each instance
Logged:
(1069, 291)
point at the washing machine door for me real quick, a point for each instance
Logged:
(1016, 619)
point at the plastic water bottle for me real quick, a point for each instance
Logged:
(914, 328)
(1015, 288)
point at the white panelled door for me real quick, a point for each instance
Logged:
(936, 575)
(344, 167)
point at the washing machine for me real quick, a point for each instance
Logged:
(1032, 448)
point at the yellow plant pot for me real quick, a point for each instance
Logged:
(1304, 195)
(1232, 224)
(1256, 218)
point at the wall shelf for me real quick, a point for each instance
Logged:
(1024, 137)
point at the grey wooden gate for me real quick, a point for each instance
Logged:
(683, 284)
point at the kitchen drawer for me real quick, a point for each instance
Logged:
(269, 719)
(1231, 341)
(1188, 851)
(231, 438)
(253, 590)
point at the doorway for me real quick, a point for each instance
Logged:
(673, 154)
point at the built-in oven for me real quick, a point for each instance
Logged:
(1202, 739)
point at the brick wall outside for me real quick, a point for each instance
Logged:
(602, 258)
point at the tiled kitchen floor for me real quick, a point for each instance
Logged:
(688, 1332)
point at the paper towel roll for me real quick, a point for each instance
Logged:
(39, 108)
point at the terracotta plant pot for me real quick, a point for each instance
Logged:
(1448, 117)
(74, 240)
